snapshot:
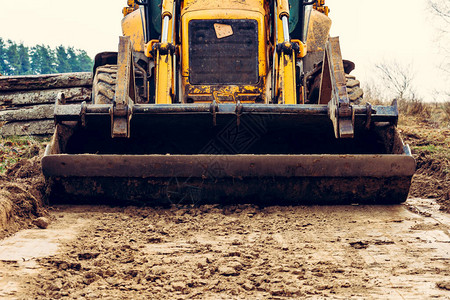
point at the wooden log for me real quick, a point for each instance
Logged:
(41, 127)
(21, 98)
(37, 112)
(41, 82)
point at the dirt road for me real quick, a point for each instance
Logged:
(238, 252)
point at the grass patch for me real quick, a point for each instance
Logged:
(446, 111)
(427, 148)
(15, 148)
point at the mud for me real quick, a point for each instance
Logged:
(23, 190)
(430, 147)
(233, 252)
(21, 195)
(237, 252)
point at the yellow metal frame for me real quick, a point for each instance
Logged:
(303, 49)
(132, 27)
(284, 78)
(164, 60)
(320, 6)
(285, 83)
(132, 6)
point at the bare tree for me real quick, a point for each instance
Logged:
(441, 10)
(373, 92)
(398, 78)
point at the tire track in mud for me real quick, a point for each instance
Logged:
(241, 252)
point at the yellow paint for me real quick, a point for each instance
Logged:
(211, 5)
(132, 27)
(167, 8)
(225, 9)
(163, 79)
(289, 94)
(282, 8)
(285, 81)
(320, 6)
(303, 49)
(132, 6)
(164, 63)
(148, 48)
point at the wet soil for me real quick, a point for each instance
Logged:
(430, 145)
(237, 252)
(22, 186)
(22, 189)
(240, 252)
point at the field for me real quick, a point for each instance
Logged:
(426, 128)
(215, 252)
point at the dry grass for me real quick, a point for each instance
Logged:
(425, 126)
(436, 114)
(446, 111)
(414, 107)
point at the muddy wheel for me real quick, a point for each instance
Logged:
(104, 85)
(354, 90)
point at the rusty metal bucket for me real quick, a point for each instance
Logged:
(264, 154)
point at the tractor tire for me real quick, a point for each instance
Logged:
(354, 90)
(104, 84)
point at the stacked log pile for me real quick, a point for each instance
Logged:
(27, 102)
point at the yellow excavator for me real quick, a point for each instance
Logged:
(226, 102)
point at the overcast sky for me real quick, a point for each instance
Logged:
(370, 32)
(385, 30)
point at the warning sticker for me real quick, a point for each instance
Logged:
(223, 30)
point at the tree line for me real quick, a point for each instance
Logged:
(18, 59)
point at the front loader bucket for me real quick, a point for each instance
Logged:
(265, 154)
